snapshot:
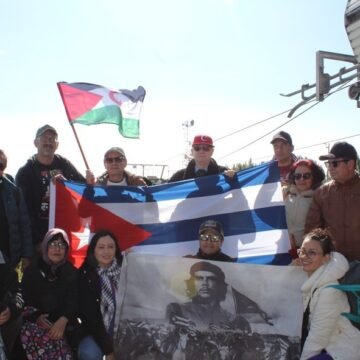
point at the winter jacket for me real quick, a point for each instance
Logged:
(296, 208)
(328, 329)
(336, 207)
(29, 179)
(89, 308)
(219, 256)
(20, 242)
(189, 171)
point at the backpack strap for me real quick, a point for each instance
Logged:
(355, 290)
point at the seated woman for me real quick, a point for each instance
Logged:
(304, 178)
(50, 297)
(326, 333)
(98, 282)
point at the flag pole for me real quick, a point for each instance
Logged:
(72, 126)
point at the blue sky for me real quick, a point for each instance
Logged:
(221, 63)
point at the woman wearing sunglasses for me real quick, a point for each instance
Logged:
(305, 177)
(326, 334)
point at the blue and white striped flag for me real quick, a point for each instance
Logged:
(164, 219)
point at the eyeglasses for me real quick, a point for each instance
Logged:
(311, 253)
(305, 176)
(202, 147)
(117, 159)
(59, 245)
(335, 163)
(210, 237)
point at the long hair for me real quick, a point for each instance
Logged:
(90, 255)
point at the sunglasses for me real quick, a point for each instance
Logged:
(210, 237)
(202, 147)
(305, 176)
(117, 159)
(310, 254)
(59, 245)
(2, 166)
(335, 163)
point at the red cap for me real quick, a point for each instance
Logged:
(203, 140)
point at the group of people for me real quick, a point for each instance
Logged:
(42, 316)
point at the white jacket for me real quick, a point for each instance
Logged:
(328, 329)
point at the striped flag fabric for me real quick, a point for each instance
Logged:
(164, 219)
(91, 104)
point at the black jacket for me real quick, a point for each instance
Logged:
(89, 308)
(219, 256)
(29, 178)
(189, 171)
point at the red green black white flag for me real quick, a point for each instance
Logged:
(91, 104)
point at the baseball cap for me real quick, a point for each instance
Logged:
(44, 128)
(211, 224)
(282, 135)
(203, 140)
(119, 150)
(341, 150)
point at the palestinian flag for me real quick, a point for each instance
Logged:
(91, 104)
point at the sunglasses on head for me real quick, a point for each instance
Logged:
(202, 147)
(335, 163)
(117, 159)
(305, 176)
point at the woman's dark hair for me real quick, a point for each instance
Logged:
(317, 172)
(324, 238)
(90, 256)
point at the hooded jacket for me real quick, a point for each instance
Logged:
(328, 329)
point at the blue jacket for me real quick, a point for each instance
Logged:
(18, 221)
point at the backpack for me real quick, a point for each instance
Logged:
(350, 283)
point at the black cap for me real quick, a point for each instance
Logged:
(282, 135)
(211, 224)
(341, 150)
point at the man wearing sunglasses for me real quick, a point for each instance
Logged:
(115, 163)
(336, 204)
(202, 163)
(211, 238)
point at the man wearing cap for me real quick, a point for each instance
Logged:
(115, 163)
(283, 148)
(336, 204)
(34, 178)
(211, 238)
(202, 163)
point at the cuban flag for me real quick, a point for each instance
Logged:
(165, 219)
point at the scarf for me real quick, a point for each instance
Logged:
(109, 279)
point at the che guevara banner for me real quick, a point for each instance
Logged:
(179, 308)
(164, 219)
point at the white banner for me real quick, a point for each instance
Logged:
(179, 308)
